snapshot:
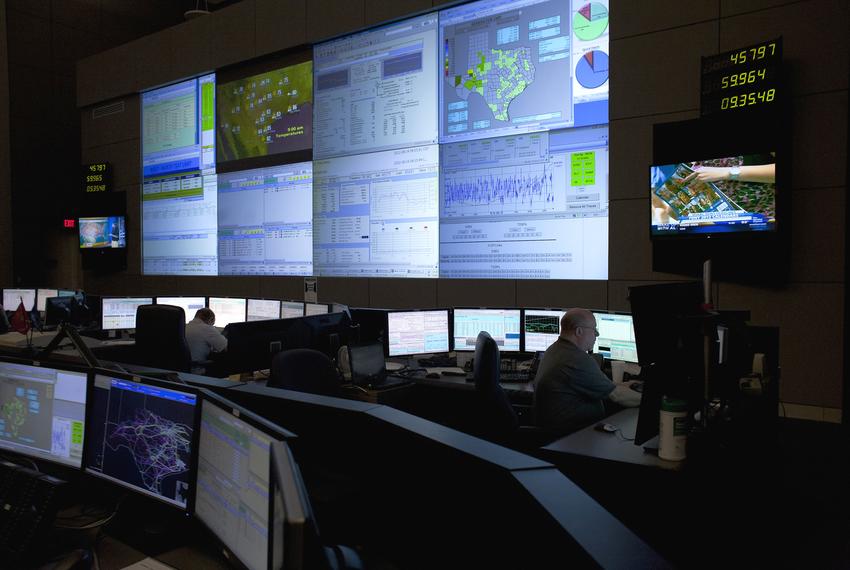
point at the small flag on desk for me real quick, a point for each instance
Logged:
(21, 319)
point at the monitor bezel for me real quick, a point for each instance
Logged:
(501, 350)
(188, 509)
(449, 328)
(55, 366)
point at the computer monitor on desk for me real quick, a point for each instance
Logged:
(233, 497)
(142, 435)
(190, 305)
(316, 309)
(616, 340)
(12, 299)
(252, 344)
(502, 324)
(119, 313)
(325, 333)
(263, 309)
(540, 328)
(291, 309)
(417, 332)
(42, 296)
(43, 412)
(227, 310)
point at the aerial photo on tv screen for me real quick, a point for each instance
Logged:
(732, 194)
(265, 114)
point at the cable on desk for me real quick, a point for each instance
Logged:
(619, 432)
(92, 524)
(16, 461)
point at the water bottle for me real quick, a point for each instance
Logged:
(672, 429)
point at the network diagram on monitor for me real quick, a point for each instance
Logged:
(470, 142)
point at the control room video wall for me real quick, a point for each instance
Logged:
(466, 143)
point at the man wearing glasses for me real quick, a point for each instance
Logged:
(569, 386)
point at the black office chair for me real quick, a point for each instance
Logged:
(495, 417)
(304, 370)
(161, 338)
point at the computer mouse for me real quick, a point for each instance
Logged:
(432, 375)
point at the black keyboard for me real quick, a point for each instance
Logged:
(515, 376)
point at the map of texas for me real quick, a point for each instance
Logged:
(500, 77)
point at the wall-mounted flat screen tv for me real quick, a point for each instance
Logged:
(105, 232)
(733, 194)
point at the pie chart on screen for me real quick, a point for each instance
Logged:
(590, 21)
(592, 69)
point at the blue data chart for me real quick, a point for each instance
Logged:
(592, 69)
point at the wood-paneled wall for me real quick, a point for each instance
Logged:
(656, 47)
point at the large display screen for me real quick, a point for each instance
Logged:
(417, 332)
(265, 114)
(103, 232)
(141, 436)
(179, 188)
(43, 412)
(376, 215)
(718, 195)
(522, 66)
(529, 206)
(377, 90)
(265, 221)
(502, 324)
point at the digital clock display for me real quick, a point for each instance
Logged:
(97, 177)
(742, 78)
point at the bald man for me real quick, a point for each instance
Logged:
(569, 386)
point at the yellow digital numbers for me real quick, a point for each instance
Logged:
(743, 78)
(753, 54)
(100, 167)
(747, 99)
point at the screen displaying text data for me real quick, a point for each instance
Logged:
(501, 324)
(512, 66)
(418, 332)
(233, 484)
(528, 206)
(178, 187)
(265, 114)
(377, 90)
(265, 221)
(42, 412)
(119, 313)
(376, 215)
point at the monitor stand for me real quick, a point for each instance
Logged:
(651, 446)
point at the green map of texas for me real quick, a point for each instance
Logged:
(499, 78)
(15, 416)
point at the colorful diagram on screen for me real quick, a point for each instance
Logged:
(265, 114)
(590, 21)
(592, 69)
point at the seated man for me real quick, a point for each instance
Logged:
(569, 386)
(203, 338)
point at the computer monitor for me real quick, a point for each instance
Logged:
(502, 324)
(42, 296)
(66, 292)
(616, 340)
(325, 333)
(291, 309)
(233, 493)
(227, 310)
(43, 412)
(263, 309)
(252, 344)
(119, 313)
(316, 309)
(541, 328)
(190, 305)
(142, 435)
(12, 299)
(417, 332)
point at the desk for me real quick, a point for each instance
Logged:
(616, 447)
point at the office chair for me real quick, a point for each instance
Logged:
(161, 338)
(304, 370)
(496, 418)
